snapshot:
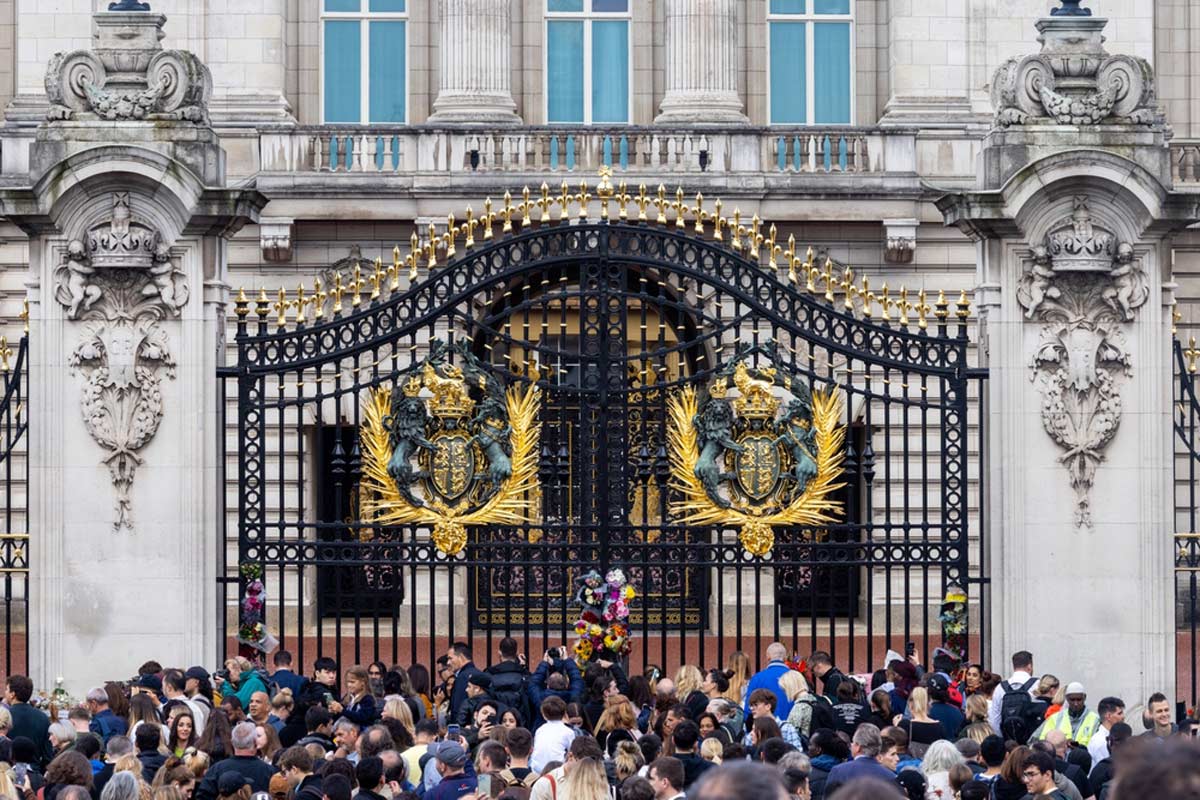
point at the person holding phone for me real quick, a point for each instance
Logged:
(556, 676)
(452, 764)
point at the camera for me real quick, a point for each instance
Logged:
(223, 674)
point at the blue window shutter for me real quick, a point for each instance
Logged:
(831, 6)
(789, 101)
(831, 63)
(610, 71)
(387, 71)
(788, 6)
(343, 71)
(564, 71)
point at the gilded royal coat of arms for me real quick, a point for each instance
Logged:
(450, 448)
(759, 459)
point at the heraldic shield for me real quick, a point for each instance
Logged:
(759, 459)
(450, 448)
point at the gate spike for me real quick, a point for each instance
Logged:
(469, 229)
(526, 205)
(507, 213)
(337, 291)
(281, 307)
(623, 198)
(736, 230)
(905, 307)
(848, 290)
(25, 317)
(301, 303)
(356, 287)
(450, 235)
(699, 213)
(584, 198)
(376, 279)
(241, 305)
(718, 221)
(431, 247)
(564, 202)
(885, 303)
(661, 204)
(868, 297)
(941, 307)
(922, 311)
(963, 305)
(1191, 354)
(773, 250)
(487, 218)
(680, 209)
(792, 259)
(1176, 318)
(827, 277)
(5, 354)
(756, 238)
(262, 306)
(604, 190)
(319, 296)
(642, 201)
(544, 202)
(414, 247)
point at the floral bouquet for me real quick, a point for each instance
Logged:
(252, 630)
(603, 626)
(56, 703)
(954, 622)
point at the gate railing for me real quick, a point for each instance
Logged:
(1187, 520)
(691, 282)
(14, 482)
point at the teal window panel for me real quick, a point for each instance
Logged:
(789, 6)
(831, 6)
(564, 5)
(610, 71)
(388, 6)
(789, 99)
(388, 71)
(343, 71)
(564, 71)
(343, 5)
(610, 6)
(831, 67)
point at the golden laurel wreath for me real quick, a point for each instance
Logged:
(383, 504)
(813, 507)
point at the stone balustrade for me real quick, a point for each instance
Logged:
(378, 150)
(1185, 162)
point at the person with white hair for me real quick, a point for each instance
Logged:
(245, 761)
(939, 759)
(768, 678)
(122, 786)
(62, 736)
(105, 723)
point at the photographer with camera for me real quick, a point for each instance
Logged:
(556, 676)
(247, 682)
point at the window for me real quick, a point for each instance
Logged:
(363, 53)
(587, 61)
(810, 63)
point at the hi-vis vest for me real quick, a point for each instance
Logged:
(1061, 721)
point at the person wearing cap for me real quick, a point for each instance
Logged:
(230, 783)
(245, 762)
(1074, 720)
(457, 777)
(942, 707)
(198, 688)
(149, 684)
(105, 723)
(479, 686)
(174, 687)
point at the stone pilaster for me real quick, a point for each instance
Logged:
(702, 66)
(1073, 219)
(476, 64)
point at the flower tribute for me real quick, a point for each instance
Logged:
(253, 637)
(603, 625)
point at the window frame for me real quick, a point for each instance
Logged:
(587, 17)
(364, 18)
(810, 19)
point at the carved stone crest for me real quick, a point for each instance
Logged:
(1084, 286)
(1074, 81)
(120, 281)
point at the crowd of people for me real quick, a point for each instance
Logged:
(563, 731)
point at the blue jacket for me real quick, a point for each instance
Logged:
(861, 767)
(106, 725)
(768, 678)
(286, 679)
(458, 695)
(538, 691)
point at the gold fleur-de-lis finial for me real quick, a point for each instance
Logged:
(281, 307)
(604, 189)
(469, 229)
(376, 279)
(6, 353)
(848, 290)
(584, 198)
(394, 271)
(564, 201)
(301, 304)
(1191, 354)
(699, 213)
(623, 197)
(337, 291)
(773, 250)
(827, 278)
(904, 306)
(414, 251)
(1176, 318)
(318, 300)
(356, 287)
(507, 213)
(923, 310)
(450, 235)
(526, 206)
(487, 218)
(885, 303)
(25, 316)
(868, 297)
(642, 201)
(736, 230)
(681, 208)
(431, 246)
(719, 222)
(544, 202)
(661, 203)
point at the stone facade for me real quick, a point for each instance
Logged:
(865, 196)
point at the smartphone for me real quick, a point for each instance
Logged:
(910, 648)
(484, 785)
(453, 731)
(19, 773)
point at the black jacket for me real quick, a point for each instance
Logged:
(310, 789)
(253, 769)
(693, 767)
(458, 696)
(34, 725)
(510, 688)
(152, 762)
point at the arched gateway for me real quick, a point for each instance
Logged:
(831, 418)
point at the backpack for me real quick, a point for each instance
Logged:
(1017, 711)
(822, 714)
(509, 779)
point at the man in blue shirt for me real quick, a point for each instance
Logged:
(768, 678)
(865, 746)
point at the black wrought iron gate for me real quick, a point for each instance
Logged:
(1187, 531)
(610, 317)
(14, 484)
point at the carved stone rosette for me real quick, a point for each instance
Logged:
(119, 281)
(1084, 287)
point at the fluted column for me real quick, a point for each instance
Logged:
(702, 71)
(476, 63)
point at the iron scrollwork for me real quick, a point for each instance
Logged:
(738, 462)
(435, 455)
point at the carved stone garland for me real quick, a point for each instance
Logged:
(119, 281)
(1084, 287)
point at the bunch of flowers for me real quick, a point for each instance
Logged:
(252, 630)
(55, 703)
(603, 625)
(954, 622)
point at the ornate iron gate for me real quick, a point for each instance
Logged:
(14, 473)
(613, 315)
(1187, 537)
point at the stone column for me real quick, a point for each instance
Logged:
(476, 64)
(702, 64)
(126, 212)
(927, 65)
(1073, 221)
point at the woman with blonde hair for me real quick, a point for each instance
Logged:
(628, 759)
(587, 780)
(688, 682)
(282, 706)
(266, 743)
(198, 762)
(143, 710)
(398, 709)
(738, 664)
(168, 793)
(358, 705)
(617, 723)
(795, 688)
(922, 729)
(175, 772)
(711, 750)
